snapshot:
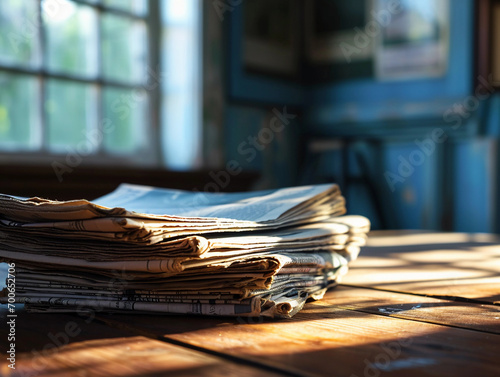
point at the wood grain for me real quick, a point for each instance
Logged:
(360, 331)
(73, 345)
(466, 315)
(35, 331)
(326, 340)
(122, 357)
(441, 264)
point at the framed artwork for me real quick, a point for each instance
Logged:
(330, 24)
(271, 37)
(332, 29)
(263, 64)
(428, 90)
(352, 39)
(414, 43)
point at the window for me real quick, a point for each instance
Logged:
(100, 81)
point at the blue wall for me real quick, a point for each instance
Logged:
(329, 106)
(454, 185)
(252, 102)
(398, 175)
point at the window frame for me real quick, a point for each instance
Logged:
(153, 24)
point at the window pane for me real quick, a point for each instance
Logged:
(138, 7)
(19, 126)
(181, 56)
(71, 37)
(19, 32)
(71, 116)
(123, 49)
(127, 112)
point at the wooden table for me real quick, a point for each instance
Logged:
(413, 304)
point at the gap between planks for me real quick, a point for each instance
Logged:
(332, 336)
(430, 295)
(470, 304)
(267, 366)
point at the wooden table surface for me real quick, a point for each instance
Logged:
(413, 304)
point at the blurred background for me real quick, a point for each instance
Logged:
(395, 100)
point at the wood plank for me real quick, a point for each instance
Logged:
(467, 315)
(325, 340)
(128, 356)
(442, 264)
(65, 344)
(36, 331)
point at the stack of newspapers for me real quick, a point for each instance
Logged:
(151, 250)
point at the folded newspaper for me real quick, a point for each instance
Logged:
(153, 250)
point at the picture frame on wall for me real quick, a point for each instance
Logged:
(415, 41)
(263, 64)
(378, 102)
(271, 37)
(335, 50)
(331, 29)
(348, 40)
